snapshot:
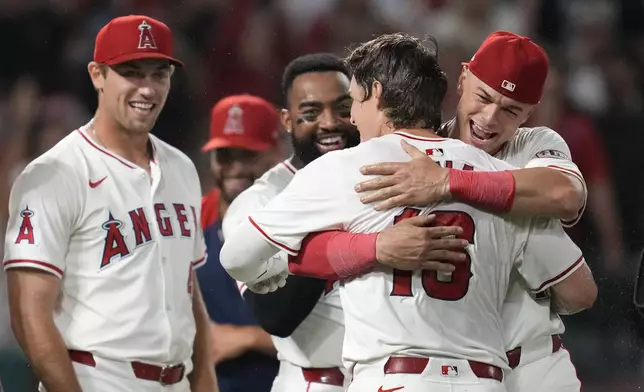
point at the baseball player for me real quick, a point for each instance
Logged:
(392, 327)
(103, 237)
(305, 317)
(499, 88)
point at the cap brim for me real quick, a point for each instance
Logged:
(252, 145)
(140, 56)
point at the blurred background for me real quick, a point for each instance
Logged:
(594, 99)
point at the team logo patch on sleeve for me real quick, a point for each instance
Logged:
(26, 231)
(552, 154)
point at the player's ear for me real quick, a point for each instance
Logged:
(97, 74)
(287, 121)
(376, 89)
(461, 80)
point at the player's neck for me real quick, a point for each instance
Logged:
(421, 132)
(129, 145)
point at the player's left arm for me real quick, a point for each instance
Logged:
(202, 378)
(537, 190)
(550, 184)
(551, 261)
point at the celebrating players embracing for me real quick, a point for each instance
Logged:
(404, 330)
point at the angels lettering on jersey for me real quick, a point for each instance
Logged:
(171, 220)
(168, 222)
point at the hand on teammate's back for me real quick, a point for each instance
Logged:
(414, 244)
(419, 182)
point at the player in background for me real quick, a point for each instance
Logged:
(243, 145)
(397, 90)
(103, 237)
(500, 98)
(305, 316)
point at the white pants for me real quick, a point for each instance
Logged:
(371, 378)
(291, 379)
(116, 376)
(554, 372)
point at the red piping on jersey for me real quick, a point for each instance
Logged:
(425, 139)
(286, 248)
(103, 151)
(42, 263)
(561, 275)
(289, 167)
(576, 174)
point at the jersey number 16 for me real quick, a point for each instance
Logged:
(448, 288)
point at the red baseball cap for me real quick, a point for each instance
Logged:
(243, 121)
(513, 65)
(133, 37)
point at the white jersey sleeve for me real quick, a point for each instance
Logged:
(318, 198)
(543, 147)
(248, 201)
(43, 208)
(548, 256)
(239, 210)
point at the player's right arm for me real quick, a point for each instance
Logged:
(412, 244)
(317, 199)
(550, 260)
(42, 208)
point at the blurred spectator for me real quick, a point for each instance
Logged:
(244, 144)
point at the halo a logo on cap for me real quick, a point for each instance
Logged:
(508, 85)
(146, 39)
(234, 122)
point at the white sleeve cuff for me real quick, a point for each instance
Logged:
(41, 265)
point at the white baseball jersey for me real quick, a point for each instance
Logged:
(317, 341)
(123, 242)
(393, 312)
(526, 316)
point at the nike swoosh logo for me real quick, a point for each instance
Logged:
(390, 389)
(97, 183)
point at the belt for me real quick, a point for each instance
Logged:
(514, 355)
(329, 376)
(416, 365)
(165, 375)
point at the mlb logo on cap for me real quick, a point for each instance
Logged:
(512, 65)
(449, 371)
(508, 85)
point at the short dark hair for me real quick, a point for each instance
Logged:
(316, 62)
(413, 83)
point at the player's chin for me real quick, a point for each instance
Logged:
(141, 125)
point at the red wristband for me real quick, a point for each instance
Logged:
(334, 255)
(493, 191)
